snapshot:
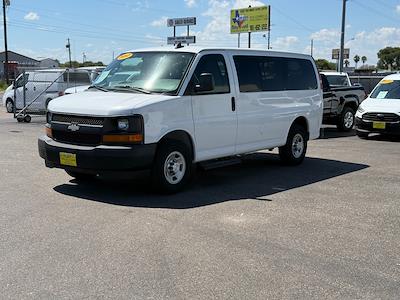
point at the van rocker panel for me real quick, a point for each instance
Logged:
(98, 158)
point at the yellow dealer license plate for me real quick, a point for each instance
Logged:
(379, 125)
(68, 159)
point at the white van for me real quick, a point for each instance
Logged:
(36, 82)
(166, 109)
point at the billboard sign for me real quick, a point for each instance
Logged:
(250, 19)
(190, 21)
(336, 53)
(173, 40)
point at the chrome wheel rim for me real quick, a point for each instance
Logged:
(297, 145)
(174, 167)
(9, 106)
(348, 120)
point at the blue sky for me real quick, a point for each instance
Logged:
(100, 27)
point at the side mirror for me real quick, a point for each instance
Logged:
(206, 83)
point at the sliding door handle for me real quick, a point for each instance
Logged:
(233, 103)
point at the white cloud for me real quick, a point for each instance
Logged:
(31, 16)
(162, 22)
(326, 35)
(190, 3)
(398, 8)
(285, 43)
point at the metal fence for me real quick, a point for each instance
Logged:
(367, 81)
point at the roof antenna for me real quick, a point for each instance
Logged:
(179, 45)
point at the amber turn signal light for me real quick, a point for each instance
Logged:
(123, 138)
(49, 132)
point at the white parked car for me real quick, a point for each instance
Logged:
(380, 112)
(337, 79)
(184, 106)
(36, 83)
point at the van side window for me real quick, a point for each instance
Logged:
(215, 65)
(300, 75)
(261, 73)
(78, 77)
(247, 68)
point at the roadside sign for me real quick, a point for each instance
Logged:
(190, 21)
(336, 53)
(250, 19)
(172, 40)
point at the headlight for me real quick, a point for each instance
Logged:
(360, 110)
(48, 117)
(123, 124)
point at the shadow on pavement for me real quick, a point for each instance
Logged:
(384, 138)
(333, 133)
(259, 175)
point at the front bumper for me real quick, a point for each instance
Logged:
(367, 127)
(98, 159)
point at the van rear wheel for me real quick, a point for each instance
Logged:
(294, 151)
(172, 168)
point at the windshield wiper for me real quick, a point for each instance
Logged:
(133, 88)
(98, 88)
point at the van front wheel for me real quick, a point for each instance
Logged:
(172, 167)
(294, 151)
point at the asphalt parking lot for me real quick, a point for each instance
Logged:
(329, 228)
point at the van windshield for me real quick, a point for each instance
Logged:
(150, 72)
(387, 89)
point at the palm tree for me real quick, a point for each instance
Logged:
(364, 59)
(346, 63)
(356, 59)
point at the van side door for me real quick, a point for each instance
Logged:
(214, 111)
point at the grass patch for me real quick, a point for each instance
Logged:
(3, 85)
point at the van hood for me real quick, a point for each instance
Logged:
(381, 105)
(98, 103)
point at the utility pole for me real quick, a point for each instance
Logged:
(312, 47)
(83, 57)
(5, 3)
(68, 46)
(249, 34)
(341, 55)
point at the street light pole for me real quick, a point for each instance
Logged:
(341, 55)
(5, 3)
(68, 46)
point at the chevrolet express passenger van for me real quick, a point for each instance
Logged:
(167, 109)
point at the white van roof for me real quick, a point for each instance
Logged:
(198, 49)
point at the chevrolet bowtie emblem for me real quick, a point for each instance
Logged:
(73, 127)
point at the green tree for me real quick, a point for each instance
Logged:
(346, 63)
(364, 59)
(323, 64)
(389, 58)
(356, 59)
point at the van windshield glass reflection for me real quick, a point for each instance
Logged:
(146, 72)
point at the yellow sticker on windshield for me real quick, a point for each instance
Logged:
(125, 56)
(386, 81)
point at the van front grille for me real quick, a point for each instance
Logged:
(381, 117)
(77, 138)
(69, 119)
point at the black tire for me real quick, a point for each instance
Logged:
(20, 119)
(81, 176)
(9, 105)
(161, 179)
(27, 119)
(290, 155)
(362, 135)
(344, 123)
(47, 102)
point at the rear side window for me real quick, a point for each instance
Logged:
(214, 64)
(260, 73)
(77, 77)
(337, 80)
